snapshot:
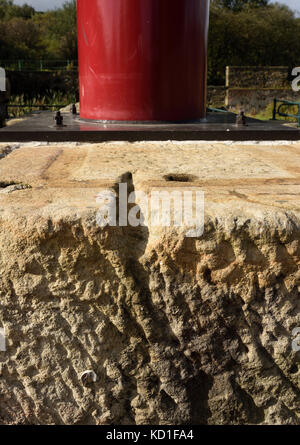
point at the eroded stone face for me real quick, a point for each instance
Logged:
(178, 330)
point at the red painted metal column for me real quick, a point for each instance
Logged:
(142, 60)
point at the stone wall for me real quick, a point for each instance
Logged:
(252, 88)
(259, 77)
(253, 100)
(216, 96)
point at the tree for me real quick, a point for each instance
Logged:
(61, 30)
(238, 5)
(252, 37)
(9, 10)
(20, 40)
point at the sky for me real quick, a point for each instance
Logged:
(43, 5)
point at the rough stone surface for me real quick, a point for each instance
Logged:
(178, 330)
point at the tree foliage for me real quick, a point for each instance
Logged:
(27, 34)
(9, 10)
(267, 35)
(60, 31)
(238, 5)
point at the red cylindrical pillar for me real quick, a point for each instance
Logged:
(142, 60)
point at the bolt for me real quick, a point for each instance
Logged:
(241, 119)
(59, 119)
(73, 109)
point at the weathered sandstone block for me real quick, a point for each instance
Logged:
(177, 330)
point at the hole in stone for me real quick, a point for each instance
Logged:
(294, 369)
(10, 186)
(4, 184)
(179, 177)
(207, 275)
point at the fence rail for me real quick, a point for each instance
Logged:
(39, 65)
(278, 104)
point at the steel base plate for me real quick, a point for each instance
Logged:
(40, 126)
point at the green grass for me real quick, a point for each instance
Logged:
(39, 102)
(267, 113)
